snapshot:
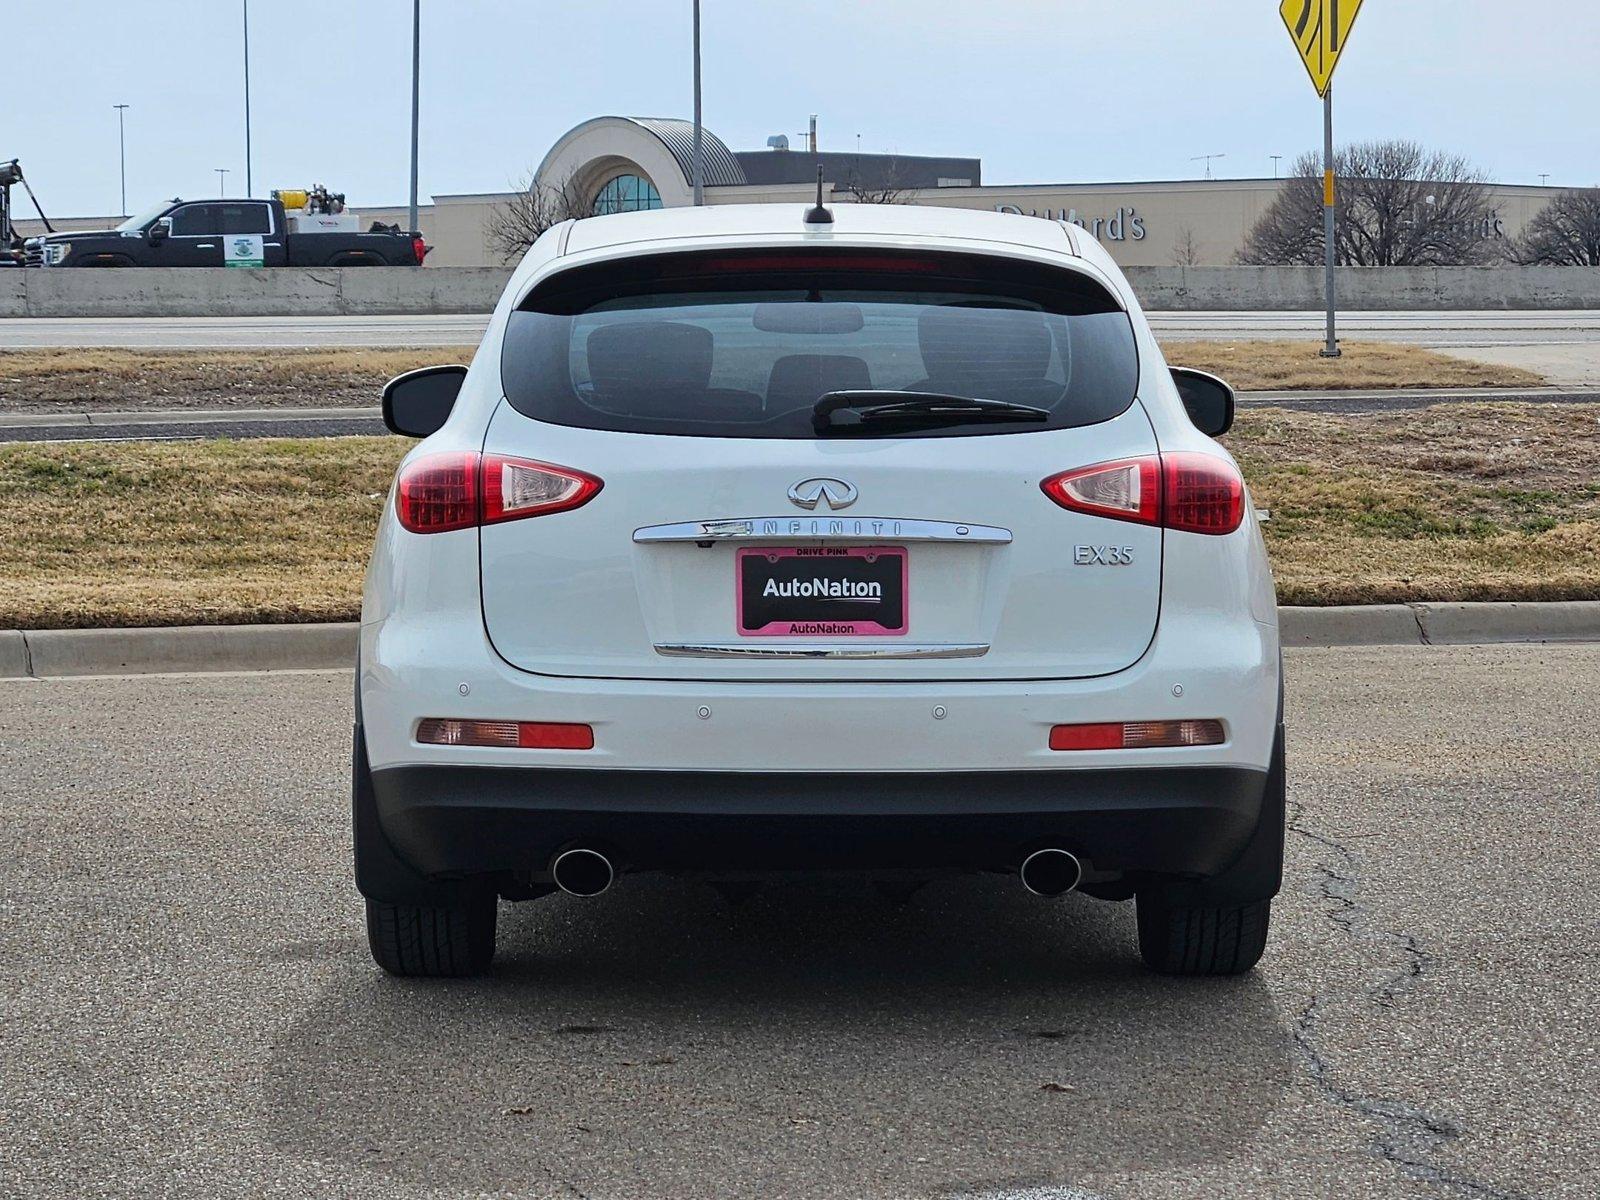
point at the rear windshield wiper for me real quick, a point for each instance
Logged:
(884, 409)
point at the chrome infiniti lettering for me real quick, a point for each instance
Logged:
(725, 528)
(831, 527)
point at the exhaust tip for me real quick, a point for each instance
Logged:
(582, 872)
(1051, 872)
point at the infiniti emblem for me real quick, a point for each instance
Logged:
(809, 493)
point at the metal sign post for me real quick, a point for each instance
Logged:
(1329, 212)
(1320, 29)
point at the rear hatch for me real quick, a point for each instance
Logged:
(818, 465)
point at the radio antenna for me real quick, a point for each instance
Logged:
(819, 215)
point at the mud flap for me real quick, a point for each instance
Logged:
(1257, 873)
(381, 874)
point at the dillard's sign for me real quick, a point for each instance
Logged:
(1129, 225)
(1120, 228)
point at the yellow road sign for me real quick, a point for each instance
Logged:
(1319, 29)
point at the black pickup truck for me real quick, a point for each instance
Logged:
(219, 233)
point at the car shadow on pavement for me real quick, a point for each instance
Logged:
(660, 1041)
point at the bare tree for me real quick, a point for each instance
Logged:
(517, 224)
(1564, 233)
(878, 184)
(1185, 248)
(1399, 205)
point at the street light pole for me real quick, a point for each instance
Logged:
(122, 157)
(416, 104)
(249, 179)
(222, 181)
(699, 156)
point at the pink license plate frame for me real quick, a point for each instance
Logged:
(822, 628)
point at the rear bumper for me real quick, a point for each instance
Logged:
(447, 822)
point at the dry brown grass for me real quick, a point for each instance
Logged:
(71, 380)
(119, 380)
(1295, 365)
(189, 532)
(1454, 502)
(281, 365)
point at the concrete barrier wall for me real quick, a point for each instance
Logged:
(399, 291)
(1288, 289)
(234, 292)
(13, 293)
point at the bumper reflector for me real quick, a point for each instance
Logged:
(512, 735)
(1135, 735)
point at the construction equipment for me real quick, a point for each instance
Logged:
(316, 210)
(11, 241)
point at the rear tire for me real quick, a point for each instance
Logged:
(1176, 940)
(414, 941)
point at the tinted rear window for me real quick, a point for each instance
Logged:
(744, 344)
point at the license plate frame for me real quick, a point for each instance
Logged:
(807, 614)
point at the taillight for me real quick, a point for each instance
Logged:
(1200, 494)
(438, 492)
(516, 487)
(419, 248)
(1128, 489)
(1186, 491)
(510, 735)
(1136, 735)
(458, 489)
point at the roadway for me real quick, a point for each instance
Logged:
(190, 1012)
(184, 424)
(1434, 329)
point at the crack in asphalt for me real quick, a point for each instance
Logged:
(567, 1185)
(1408, 1136)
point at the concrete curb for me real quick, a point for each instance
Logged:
(180, 416)
(216, 416)
(47, 653)
(1354, 625)
(1467, 624)
(1431, 395)
(180, 649)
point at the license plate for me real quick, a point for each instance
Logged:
(821, 591)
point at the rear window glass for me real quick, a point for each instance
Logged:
(747, 344)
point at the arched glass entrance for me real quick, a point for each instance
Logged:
(626, 193)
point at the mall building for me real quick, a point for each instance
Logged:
(619, 164)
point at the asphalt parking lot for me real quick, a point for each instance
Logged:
(188, 1008)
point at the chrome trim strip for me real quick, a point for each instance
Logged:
(741, 650)
(854, 529)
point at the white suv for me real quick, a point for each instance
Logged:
(761, 539)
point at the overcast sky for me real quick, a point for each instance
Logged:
(1041, 90)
